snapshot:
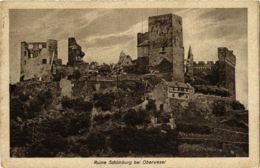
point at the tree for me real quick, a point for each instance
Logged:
(17, 109)
(236, 105)
(79, 122)
(104, 101)
(105, 69)
(48, 146)
(45, 97)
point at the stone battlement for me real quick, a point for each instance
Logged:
(203, 63)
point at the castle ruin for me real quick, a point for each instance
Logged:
(220, 73)
(37, 59)
(160, 49)
(75, 53)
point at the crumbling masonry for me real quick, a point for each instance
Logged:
(221, 72)
(37, 59)
(75, 53)
(163, 44)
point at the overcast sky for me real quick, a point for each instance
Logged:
(104, 33)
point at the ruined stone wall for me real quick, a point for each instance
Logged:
(36, 59)
(227, 63)
(202, 67)
(75, 54)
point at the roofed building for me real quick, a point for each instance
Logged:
(124, 60)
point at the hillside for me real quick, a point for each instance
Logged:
(123, 121)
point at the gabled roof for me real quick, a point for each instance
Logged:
(123, 57)
(178, 84)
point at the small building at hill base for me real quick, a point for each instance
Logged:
(172, 90)
(179, 90)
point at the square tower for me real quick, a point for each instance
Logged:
(227, 70)
(166, 43)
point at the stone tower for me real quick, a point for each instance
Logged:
(189, 64)
(227, 63)
(166, 43)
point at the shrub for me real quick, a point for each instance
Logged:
(193, 128)
(151, 141)
(18, 136)
(17, 109)
(151, 106)
(133, 117)
(45, 97)
(102, 118)
(34, 108)
(67, 103)
(165, 117)
(55, 142)
(96, 141)
(236, 105)
(116, 116)
(104, 101)
(137, 86)
(24, 96)
(76, 104)
(78, 123)
(81, 105)
(84, 151)
(105, 69)
(49, 146)
(219, 108)
(214, 90)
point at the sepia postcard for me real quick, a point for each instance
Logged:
(129, 84)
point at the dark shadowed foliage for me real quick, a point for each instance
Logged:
(219, 108)
(96, 141)
(134, 117)
(151, 141)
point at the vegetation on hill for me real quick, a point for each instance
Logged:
(119, 123)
